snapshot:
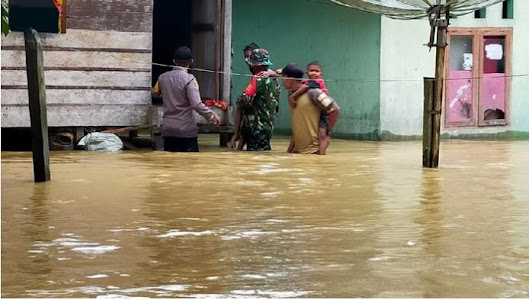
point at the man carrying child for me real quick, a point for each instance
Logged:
(313, 112)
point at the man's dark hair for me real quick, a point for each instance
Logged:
(292, 70)
(182, 54)
(250, 47)
(314, 63)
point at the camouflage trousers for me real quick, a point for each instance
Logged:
(256, 140)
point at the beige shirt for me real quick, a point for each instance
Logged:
(305, 120)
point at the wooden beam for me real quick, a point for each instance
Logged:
(127, 129)
(427, 127)
(37, 106)
(438, 94)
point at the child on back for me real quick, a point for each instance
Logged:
(315, 81)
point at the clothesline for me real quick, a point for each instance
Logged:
(349, 79)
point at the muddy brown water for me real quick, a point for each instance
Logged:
(364, 221)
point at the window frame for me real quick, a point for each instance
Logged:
(475, 74)
(507, 9)
(478, 35)
(61, 20)
(507, 32)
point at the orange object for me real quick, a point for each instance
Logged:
(217, 103)
(251, 89)
(60, 4)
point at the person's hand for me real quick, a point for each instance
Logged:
(292, 101)
(267, 73)
(215, 119)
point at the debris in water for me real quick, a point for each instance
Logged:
(96, 249)
(97, 276)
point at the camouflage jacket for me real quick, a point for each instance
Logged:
(260, 104)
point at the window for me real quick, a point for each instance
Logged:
(480, 14)
(508, 9)
(478, 77)
(43, 15)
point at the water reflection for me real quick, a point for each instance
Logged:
(365, 221)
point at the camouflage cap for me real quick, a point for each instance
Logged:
(259, 57)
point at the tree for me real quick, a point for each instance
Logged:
(5, 18)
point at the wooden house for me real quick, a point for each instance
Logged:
(99, 71)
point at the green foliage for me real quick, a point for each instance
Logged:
(5, 18)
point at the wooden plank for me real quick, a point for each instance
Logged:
(94, 59)
(110, 20)
(206, 48)
(84, 69)
(145, 6)
(87, 115)
(226, 50)
(78, 49)
(79, 97)
(82, 38)
(427, 126)
(82, 87)
(438, 95)
(37, 107)
(127, 129)
(157, 116)
(80, 78)
(117, 15)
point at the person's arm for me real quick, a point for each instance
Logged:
(268, 73)
(310, 84)
(327, 104)
(156, 91)
(193, 94)
(334, 113)
(302, 90)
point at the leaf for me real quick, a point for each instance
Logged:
(5, 19)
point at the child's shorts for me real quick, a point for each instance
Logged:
(324, 120)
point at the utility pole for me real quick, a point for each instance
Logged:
(439, 21)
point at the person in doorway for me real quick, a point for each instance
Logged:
(247, 51)
(305, 116)
(259, 104)
(181, 96)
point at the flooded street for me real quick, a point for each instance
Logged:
(364, 221)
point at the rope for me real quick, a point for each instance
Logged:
(348, 79)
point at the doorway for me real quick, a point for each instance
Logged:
(196, 24)
(171, 28)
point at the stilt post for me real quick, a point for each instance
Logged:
(37, 106)
(427, 128)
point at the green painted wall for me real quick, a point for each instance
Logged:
(345, 41)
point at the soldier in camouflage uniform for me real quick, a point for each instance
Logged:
(260, 104)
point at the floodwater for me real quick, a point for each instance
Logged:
(364, 221)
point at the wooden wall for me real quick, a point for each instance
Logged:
(97, 74)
